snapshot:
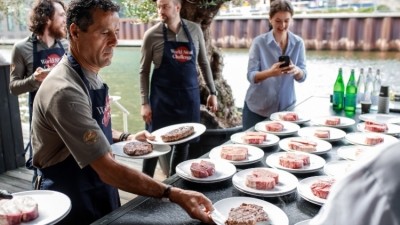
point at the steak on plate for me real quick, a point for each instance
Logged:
(178, 134)
(321, 133)
(262, 179)
(246, 214)
(321, 187)
(294, 161)
(333, 121)
(373, 140)
(290, 116)
(137, 148)
(202, 169)
(17, 210)
(252, 137)
(274, 127)
(375, 127)
(302, 145)
(234, 153)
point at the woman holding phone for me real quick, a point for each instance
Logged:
(270, 75)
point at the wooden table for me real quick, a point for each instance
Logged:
(150, 211)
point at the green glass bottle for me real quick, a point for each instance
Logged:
(351, 95)
(338, 92)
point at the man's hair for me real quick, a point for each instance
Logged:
(42, 11)
(80, 12)
(280, 6)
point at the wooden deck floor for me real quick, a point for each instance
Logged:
(20, 179)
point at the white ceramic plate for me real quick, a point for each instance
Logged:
(356, 152)
(254, 154)
(344, 121)
(198, 130)
(380, 118)
(304, 222)
(316, 163)
(392, 129)
(335, 134)
(302, 118)
(322, 146)
(223, 207)
(339, 168)
(223, 171)
(304, 189)
(53, 206)
(288, 128)
(287, 183)
(272, 139)
(118, 149)
(358, 138)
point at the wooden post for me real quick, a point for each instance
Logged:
(11, 140)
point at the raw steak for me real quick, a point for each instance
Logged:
(333, 121)
(375, 127)
(202, 169)
(322, 133)
(373, 140)
(234, 153)
(17, 210)
(262, 179)
(302, 145)
(246, 214)
(136, 148)
(274, 127)
(290, 116)
(321, 187)
(294, 161)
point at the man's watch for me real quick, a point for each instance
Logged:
(165, 195)
(214, 93)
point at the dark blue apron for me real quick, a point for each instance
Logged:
(46, 58)
(91, 198)
(175, 94)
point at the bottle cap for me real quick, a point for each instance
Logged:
(384, 92)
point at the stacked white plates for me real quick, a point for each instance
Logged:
(223, 171)
(380, 118)
(287, 183)
(304, 189)
(335, 134)
(340, 168)
(289, 128)
(358, 138)
(393, 129)
(316, 163)
(344, 121)
(357, 152)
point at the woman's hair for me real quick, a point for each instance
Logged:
(80, 12)
(42, 11)
(280, 6)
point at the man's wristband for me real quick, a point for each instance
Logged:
(214, 93)
(124, 136)
(166, 193)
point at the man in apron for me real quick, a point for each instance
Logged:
(71, 126)
(174, 46)
(34, 56)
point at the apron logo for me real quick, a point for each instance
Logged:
(107, 112)
(182, 54)
(50, 61)
(90, 137)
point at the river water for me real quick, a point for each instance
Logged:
(123, 76)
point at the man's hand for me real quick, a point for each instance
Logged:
(141, 136)
(40, 74)
(212, 103)
(146, 113)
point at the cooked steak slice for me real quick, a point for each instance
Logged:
(202, 169)
(178, 133)
(246, 214)
(234, 153)
(136, 148)
(321, 187)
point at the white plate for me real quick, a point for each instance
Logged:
(380, 118)
(322, 146)
(53, 206)
(335, 134)
(304, 189)
(392, 129)
(223, 207)
(316, 163)
(344, 121)
(339, 168)
(254, 154)
(358, 138)
(288, 128)
(198, 130)
(356, 152)
(272, 139)
(223, 171)
(304, 222)
(302, 118)
(118, 149)
(287, 183)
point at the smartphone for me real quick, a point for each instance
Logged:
(286, 59)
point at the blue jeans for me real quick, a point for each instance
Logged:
(249, 118)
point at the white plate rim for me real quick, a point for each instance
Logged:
(393, 129)
(354, 136)
(290, 185)
(277, 216)
(343, 151)
(58, 199)
(308, 132)
(320, 150)
(258, 154)
(302, 118)
(314, 159)
(199, 129)
(293, 127)
(337, 167)
(379, 117)
(220, 165)
(272, 139)
(158, 150)
(321, 121)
